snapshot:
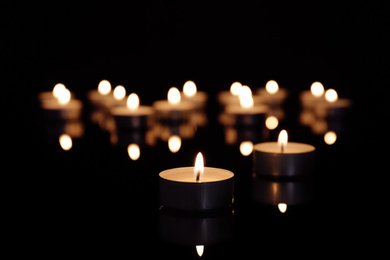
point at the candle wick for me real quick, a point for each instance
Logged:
(198, 176)
(282, 148)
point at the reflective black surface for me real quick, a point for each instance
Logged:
(94, 200)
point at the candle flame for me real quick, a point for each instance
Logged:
(272, 87)
(317, 89)
(133, 151)
(245, 96)
(133, 101)
(282, 207)
(65, 142)
(189, 88)
(104, 87)
(119, 92)
(331, 95)
(282, 140)
(235, 88)
(64, 96)
(246, 148)
(58, 89)
(199, 167)
(173, 95)
(200, 250)
(174, 143)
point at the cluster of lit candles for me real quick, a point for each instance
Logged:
(199, 187)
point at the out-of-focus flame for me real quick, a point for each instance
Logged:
(64, 96)
(199, 167)
(317, 89)
(133, 151)
(189, 88)
(246, 148)
(133, 101)
(174, 143)
(200, 250)
(330, 137)
(272, 87)
(245, 96)
(104, 87)
(271, 122)
(174, 95)
(282, 207)
(119, 92)
(235, 88)
(65, 142)
(331, 95)
(58, 89)
(282, 140)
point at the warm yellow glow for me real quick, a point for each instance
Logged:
(282, 207)
(317, 89)
(331, 95)
(246, 148)
(119, 92)
(245, 96)
(199, 167)
(235, 88)
(133, 151)
(330, 137)
(66, 142)
(189, 88)
(199, 250)
(173, 95)
(133, 101)
(272, 87)
(271, 122)
(58, 90)
(174, 143)
(64, 96)
(104, 87)
(282, 140)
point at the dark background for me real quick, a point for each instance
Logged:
(71, 199)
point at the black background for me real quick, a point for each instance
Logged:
(94, 195)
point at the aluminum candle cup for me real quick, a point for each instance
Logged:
(295, 160)
(180, 190)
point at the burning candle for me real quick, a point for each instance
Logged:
(132, 115)
(246, 112)
(283, 158)
(333, 106)
(173, 109)
(98, 97)
(191, 94)
(60, 105)
(272, 94)
(196, 188)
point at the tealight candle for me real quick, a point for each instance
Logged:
(61, 106)
(191, 94)
(196, 188)
(246, 113)
(173, 108)
(333, 106)
(232, 97)
(133, 115)
(272, 94)
(282, 158)
(98, 97)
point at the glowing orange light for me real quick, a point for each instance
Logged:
(104, 87)
(200, 250)
(174, 143)
(133, 151)
(272, 87)
(65, 142)
(246, 148)
(199, 167)
(133, 101)
(271, 122)
(235, 88)
(189, 88)
(330, 137)
(282, 207)
(282, 140)
(331, 95)
(317, 89)
(119, 92)
(174, 95)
